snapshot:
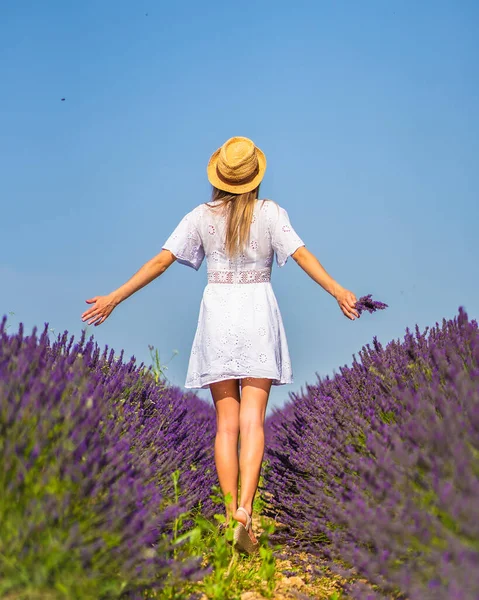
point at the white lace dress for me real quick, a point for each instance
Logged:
(240, 331)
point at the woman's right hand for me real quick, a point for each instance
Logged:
(347, 302)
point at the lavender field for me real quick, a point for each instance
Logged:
(373, 472)
(377, 468)
(89, 444)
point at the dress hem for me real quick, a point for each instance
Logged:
(275, 381)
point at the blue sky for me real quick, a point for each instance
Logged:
(368, 115)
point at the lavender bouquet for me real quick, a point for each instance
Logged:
(367, 303)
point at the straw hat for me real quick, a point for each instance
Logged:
(238, 166)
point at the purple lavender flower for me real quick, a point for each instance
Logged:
(89, 444)
(375, 469)
(367, 303)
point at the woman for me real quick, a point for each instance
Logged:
(240, 347)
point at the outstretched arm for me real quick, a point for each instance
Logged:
(311, 265)
(149, 271)
(104, 305)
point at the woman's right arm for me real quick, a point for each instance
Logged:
(311, 265)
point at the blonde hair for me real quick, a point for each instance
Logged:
(239, 209)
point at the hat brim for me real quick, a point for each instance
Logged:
(240, 188)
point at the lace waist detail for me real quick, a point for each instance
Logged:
(253, 276)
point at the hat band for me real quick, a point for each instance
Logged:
(242, 181)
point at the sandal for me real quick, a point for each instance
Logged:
(241, 539)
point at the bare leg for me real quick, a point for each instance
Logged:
(254, 399)
(226, 397)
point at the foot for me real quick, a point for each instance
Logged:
(241, 518)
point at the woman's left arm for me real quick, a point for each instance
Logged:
(103, 305)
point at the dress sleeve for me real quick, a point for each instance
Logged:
(284, 239)
(185, 242)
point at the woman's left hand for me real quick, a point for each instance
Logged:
(102, 309)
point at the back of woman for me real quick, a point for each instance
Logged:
(240, 330)
(270, 232)
(240, 349)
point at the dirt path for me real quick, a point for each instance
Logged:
(298, 575)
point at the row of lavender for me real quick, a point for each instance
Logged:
(377, 468)
(89, 444)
